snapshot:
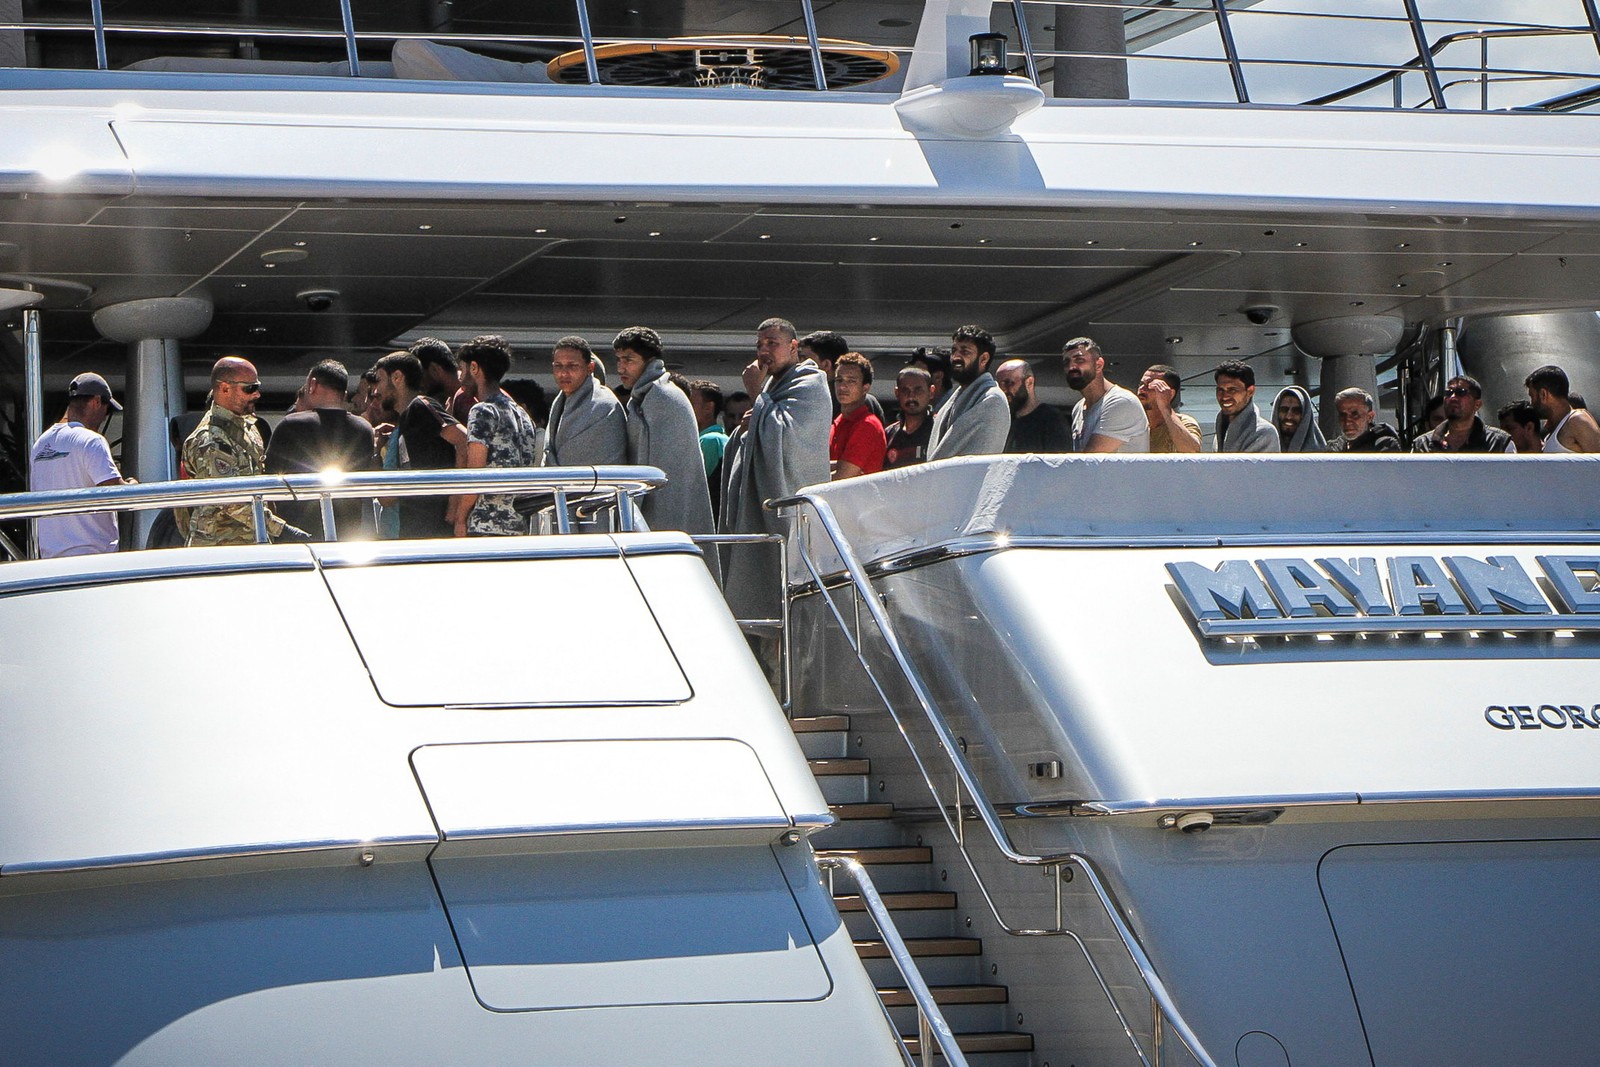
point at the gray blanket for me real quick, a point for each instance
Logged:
(589, 429)
(1246, 433)
(975, 421)
(784, 450)
(662, 433)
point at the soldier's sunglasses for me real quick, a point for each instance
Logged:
(249, 387)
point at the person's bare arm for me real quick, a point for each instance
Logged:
(845, 469)
(1183, 440)
(1581, 433)
(1101, 443)
(477, 455)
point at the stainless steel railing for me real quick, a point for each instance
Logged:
(969, 794)
(614, 487)
(932, 1029)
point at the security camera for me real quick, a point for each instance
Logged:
(1195, 822)
(1260, 314)
(318, 299)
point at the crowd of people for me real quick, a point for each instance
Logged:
(806, 414)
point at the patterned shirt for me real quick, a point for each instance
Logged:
(226, 445)
(502, 427)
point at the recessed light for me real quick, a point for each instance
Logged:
(1091, 242)
(620, 219)
(258, 329)
(1446, 263)
(1174, 340)
(1403, 244)
(983, 240)
(655, 233)
(270, 266)
(1196, 244)
(766, 237)
(299, 244)
(542, 229)
(1300, 244)
(955, 225)
(1265, 233)
(1358, 303)
(874, 238)
(424, 226)
(1399, 285)
(1233, 348)
(241, 285)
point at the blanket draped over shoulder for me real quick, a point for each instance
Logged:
(1246, 432)
(662, 433)
(588, 428)
(975, 421)
(784, 450)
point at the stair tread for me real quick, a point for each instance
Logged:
(983, 1041)
(883, 854)
(900, 996)
(871, 810)
(829, 765)
(870, 949)
(819, 724)
(913, 901)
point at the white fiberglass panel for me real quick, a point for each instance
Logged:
(630, 927)
(511, 632)
(564, 787)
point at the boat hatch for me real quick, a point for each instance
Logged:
(1498, 938)
(530, 632)
(550, 914)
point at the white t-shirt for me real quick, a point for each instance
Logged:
(71, 456)
(1118, 415)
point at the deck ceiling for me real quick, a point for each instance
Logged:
(704, 275)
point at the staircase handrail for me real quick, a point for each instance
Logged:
(931, 1021)
(856, 573)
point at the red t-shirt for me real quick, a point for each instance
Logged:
(858, 438)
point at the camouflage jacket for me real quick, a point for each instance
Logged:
(225, 445)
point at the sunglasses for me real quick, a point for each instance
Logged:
(249, 387)
(1458, 391)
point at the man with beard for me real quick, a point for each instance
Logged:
(1462, 430)
(1359, 428)
(226, 444)
(1518, 420)
(976, 420)
(1035, 427)
(1171, 431)
(1240, 427)
(1568, 428)
(323, 437)
(1109, 418)
(430, 439)
(908, 438)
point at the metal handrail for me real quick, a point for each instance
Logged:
(984, 809)
(566, 485)
(930, 1020)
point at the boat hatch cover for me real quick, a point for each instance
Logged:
(1487, 942)
(536, 632)
(550, 913)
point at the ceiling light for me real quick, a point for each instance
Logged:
(766, 237)
(542, 229)
(258, 330)
(424, 226)
(299, 244)
(655, 233)
(1174, 340)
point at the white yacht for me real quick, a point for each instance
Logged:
(1227, 761)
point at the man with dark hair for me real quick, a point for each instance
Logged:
(662, 433)
(782, 446)
(324, 437)
(587, 427)
(976, 420)
(1160, 392)
(430, 439)
(824, 347)
(1359, 429)
(1568, 428)
(499, 434)
(857, 443)
(441, 378)
(908, 438)
(936, 361)
(1462, 430)
(705, 397)
(1109, 418)
(1521, 423)
(73, 454)
(1035, 427)
(1240, 427)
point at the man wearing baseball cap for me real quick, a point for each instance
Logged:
(73, 454)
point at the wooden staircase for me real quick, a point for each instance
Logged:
(907, 880)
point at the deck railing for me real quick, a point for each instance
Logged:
(1230, 51)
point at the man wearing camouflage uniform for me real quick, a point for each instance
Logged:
(227, 444)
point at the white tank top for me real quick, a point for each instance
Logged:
(1552, 440)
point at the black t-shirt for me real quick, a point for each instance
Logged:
(422, 447)
(1044, 429)
(905, 448)
(308, 442)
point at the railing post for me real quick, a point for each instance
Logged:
(258, 512)
(97, 12)
(563, 519)
(819, 75)
(1425, 55)
(590, 64)
(1231, 50)
(1020, 13)
(1483, 74)
(785, 645)
(624, 512)
(330, 525)
(33, 387)
(350, 53)
(1593, 12)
